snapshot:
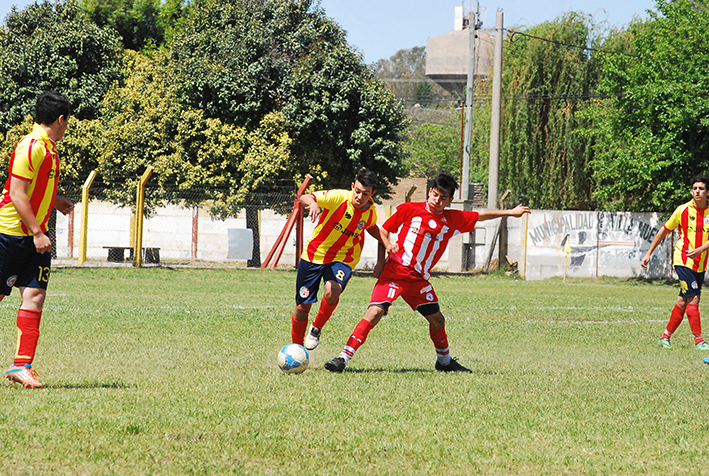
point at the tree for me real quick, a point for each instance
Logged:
(653, 133)
(53, 46)
(140, 23)
(196, 158)
(242, 60)
(543, 155)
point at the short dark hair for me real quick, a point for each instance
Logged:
(700, 178)
(49, 106)
(367, 178)
(445, 182)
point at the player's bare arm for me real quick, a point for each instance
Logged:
(377, 234)
(515, 212)
(312, 206)
(21, 201)
(655, 243)
(63, 205)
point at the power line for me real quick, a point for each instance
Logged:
(561, 43)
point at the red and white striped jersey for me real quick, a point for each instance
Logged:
(693, 226)
(423, 236)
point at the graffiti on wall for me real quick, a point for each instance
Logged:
(602, 243)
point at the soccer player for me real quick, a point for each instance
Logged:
(333, 250)
(25, 207)
(424, 230)
(689, 260)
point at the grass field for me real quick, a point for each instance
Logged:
(164, 371)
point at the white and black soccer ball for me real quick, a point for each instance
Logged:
(293, 359)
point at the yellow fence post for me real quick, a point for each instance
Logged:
(83, 236)
(139, 209)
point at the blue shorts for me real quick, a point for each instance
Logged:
(690, 282)
(21, 265)
(307, 283)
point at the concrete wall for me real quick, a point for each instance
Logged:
(602, 244)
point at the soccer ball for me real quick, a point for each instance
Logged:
(293, 359)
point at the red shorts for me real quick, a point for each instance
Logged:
(397, 280)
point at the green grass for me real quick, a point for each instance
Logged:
(162, 371)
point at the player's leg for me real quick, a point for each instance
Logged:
(676, 317)
(374, 314)
(307, 284)
(695, 323)
(32, 281)
(336, 276)
(439, 337)
(691, 284)
(383, 295)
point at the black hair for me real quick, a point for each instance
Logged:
(700, 178)
(367, 178)
(49, 106)
(445, 182)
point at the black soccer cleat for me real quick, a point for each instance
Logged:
(337, 364)
(453, 366)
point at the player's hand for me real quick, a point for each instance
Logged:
(693, 253)
(378, 268)
(393, 247)
(63, 205)
(314, 210)
(645, 260)
(520, 210)
(42, 243)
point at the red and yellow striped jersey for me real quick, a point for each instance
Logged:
(35, 160)
(693, 226)
(339, 234)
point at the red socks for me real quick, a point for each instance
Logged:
(359, 335)
(440, 342)
(324, 313)
(27, 335)
(695, 322)
(297, 331)
(675, 320)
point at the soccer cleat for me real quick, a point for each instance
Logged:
(664, 343)
(702, 346)
(706, 360)
(24, 375)
(337, 364)
(313, 338)
(453, 366)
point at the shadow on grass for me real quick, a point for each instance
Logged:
(90, 385)
(412, 371)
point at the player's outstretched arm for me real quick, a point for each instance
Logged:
(312, 206)
(655, 243)
(516, 212)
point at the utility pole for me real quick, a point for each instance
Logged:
(494, 169)
(467, 146)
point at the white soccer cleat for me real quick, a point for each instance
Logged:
(312, 340)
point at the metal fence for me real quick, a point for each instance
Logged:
(173, 233)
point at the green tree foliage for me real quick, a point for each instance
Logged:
(195, 157)
(432, 148)
(405, 73)
(243, 60)
(53, 46)
(543, 155)
(140, 23)
(653, 134)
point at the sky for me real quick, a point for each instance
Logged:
(380, 28)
